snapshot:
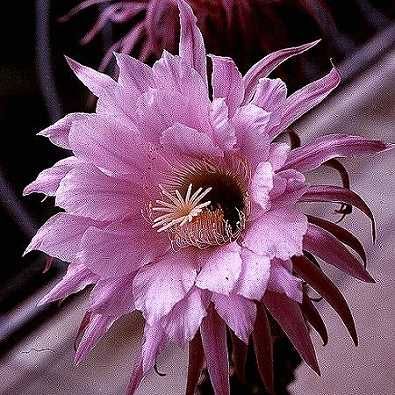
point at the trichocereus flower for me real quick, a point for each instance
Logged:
(180, 202)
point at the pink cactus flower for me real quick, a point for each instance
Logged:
(178, 202)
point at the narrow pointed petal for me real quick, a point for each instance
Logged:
(60, 236)
(213, 332)
(239, 357)
(340, 233)
(303, 100)
(266, 65)
(97, 327)
(112, 297)
(316, 278)
(136, 377)
(75, 280)
(263, 346)
(227, 82)
(98, 83)
(81, 329)
(154, 341)
(48, 180)
(288, 315)
(238, 313)
(322, 149)
(191, 47)
(58, 133)
(195, 365)
(312, 315)
(321, 243)
(330, 193)
(135, 76)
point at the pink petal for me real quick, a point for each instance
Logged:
(48, 180)
(321, 243)
(238, 313)
(97, 327)
(58, 133)
(227, 82)
(270, 93)
(288, 187)
(173, 73)
(254, 275)
(262, 184)
(191, 47)
(159, 286)
(266, 65)
(75, 280)
(182, 139)
(154, 341)
(282, 281)
(311, 314)
(60, 236)
(277, 233)
(85, 191)
(160, 109)
(221, 267)
(288, 315)
(109, 144)
(305, 99)
(121, 249)
(330, 193)
(136, 377)
(98, 83)
(317, 279)
(184, 320)
(322, 149)
(250, 124)
(135, 76)
(112, 297)
(278, 154)
(340, 233)
(263, 346)
(213, 331)
(223, 131)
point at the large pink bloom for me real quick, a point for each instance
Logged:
(179, 203)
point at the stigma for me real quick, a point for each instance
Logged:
(179, 210)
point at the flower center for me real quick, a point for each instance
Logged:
(203, 204)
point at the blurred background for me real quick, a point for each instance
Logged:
(37, 88)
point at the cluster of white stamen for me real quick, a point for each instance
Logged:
(178, 210)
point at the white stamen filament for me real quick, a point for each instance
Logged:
(179, 211)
